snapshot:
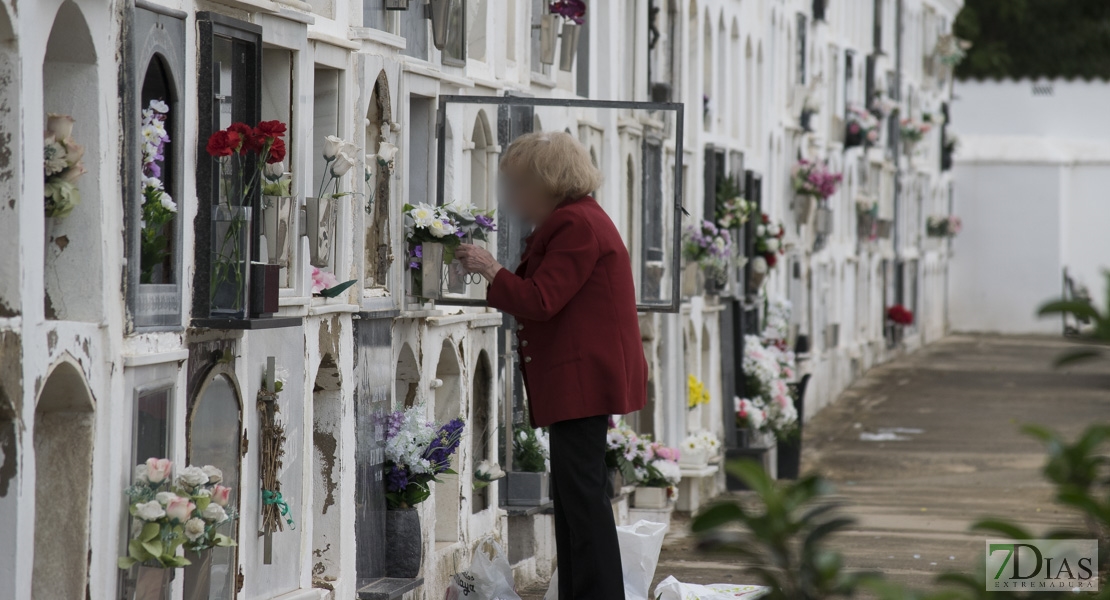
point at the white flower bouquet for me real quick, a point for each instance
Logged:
(171, 515)
(62, 166)
(769, 406)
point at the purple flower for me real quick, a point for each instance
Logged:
(396, 478)
(418, 251)
(485, 222)
(572, 10)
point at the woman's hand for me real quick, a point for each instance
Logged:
(478, 260)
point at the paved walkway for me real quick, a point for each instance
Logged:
(921, 447)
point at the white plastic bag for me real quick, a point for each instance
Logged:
(673, 589)
(486, 579)
(640, 545)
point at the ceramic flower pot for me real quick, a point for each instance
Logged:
(569, 47)
(277, 221)
(528, 489)
(803, 207)
(548, 35)
(402, 537)
(320, 213)
(151, 582)
(650, 497)
(230, 261)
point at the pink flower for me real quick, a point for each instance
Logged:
(158, 469)
(180, 509)
(322, 280)
(221, 495)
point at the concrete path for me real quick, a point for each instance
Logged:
(923, 446)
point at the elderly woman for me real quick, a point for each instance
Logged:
(578, 335)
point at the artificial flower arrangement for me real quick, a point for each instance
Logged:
(170, 515)
(913, 131)
(710, 247)
(243, 153)
(768, 247)
(699, 448)
(416, 451)
(338, 160)
(814, 179)
(641, 461)
(573, 11)
(776, 321)
(732, 209)
(531, 450)
(862, 125)
(326, 284)
(62, 166)
(943, 226)
(449, 225)
(159, 208)
(696, 392)
(768, 406)
(899, 315)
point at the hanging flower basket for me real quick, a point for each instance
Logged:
(277, 220)
(321, 229)
(569, 48)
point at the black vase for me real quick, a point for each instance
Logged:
(402, 534)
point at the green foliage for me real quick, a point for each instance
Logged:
(783, 537)
(530, 451)
(1085, 312)
(337, 289)
(1035, 38)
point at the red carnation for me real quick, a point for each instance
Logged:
(223, 143)
(899, 314)
(771, 259)
(274, 129)
(766, 219)
(277, 151)
(249, 136)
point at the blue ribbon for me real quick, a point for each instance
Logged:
(269, 497)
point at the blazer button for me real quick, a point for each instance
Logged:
(520, 327)
(527, 359)
(524, 343)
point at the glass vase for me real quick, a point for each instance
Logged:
(230, 262)
(277, 223)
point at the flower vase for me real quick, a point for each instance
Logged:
(742, 437)
(756, 281)
(431, 271)
(151, 582)
(277, 220)
(692, 279)
(230, 261)
(650, 497)
(528, 489)
(402, 537)
(569, 47)
(695, 459)
(865, 225)
(883, 228)
(803, 207)
(198, 576)
(320, 214)
(440, 15)
(853, 138)
(823, 224)
(548, 35)
(455, 277)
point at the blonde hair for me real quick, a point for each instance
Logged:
(556, 161)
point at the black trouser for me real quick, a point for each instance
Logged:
(585, 533)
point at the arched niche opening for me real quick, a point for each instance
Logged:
(483, 162)
(213, 433)
(378, 243)
(327, 450)
(158, 228)
(448, 405)
(63, 442)
(10, 124)
(482, 428)
(72, 269)
(406, 378)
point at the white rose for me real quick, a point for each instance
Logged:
(193, 476)
(149, 511)
(760, 231)
(332, 144)
(759, 264)
(164, 498)
(342, 164)
(214, 474)
(274, 171)
(159, 106)
(194, 528)
(772, 245)
(440, 228)
(214, 513)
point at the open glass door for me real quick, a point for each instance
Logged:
(635, 144)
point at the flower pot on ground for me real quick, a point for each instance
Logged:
(402, 535)
(230, 261)
(650, 497)
(151, 582)
(569, 47)
(320, 212)
(528, 489)
(548, 34)
(277, 222)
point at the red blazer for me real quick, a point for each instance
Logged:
(577, 328)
